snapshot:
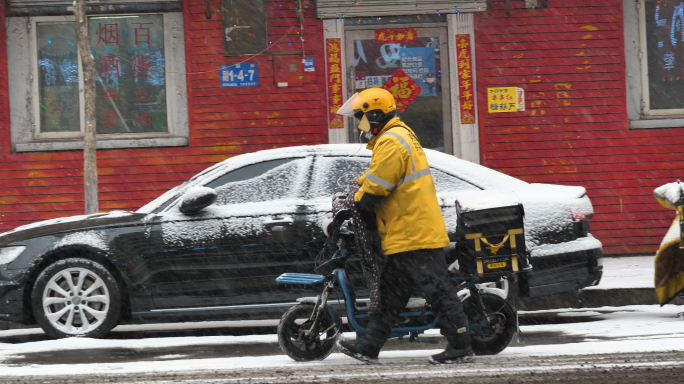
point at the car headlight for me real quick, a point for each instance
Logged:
(8, 254)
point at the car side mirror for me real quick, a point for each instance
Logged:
(197, 198)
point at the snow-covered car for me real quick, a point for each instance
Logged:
(213, 246)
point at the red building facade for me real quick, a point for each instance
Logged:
(37, 185)
(573, 60)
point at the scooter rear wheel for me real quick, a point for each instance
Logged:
(493, 337)
(298, 343)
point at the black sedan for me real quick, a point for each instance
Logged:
(187, 257)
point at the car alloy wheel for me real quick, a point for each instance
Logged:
(76, 297)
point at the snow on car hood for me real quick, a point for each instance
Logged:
(69, 223)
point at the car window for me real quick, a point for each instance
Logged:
(265, 181)
(333, 174)
(445, 182)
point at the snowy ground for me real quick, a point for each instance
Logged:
(627, 272)
(633, 329)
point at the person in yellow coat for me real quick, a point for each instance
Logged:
(669, 260)
(397, 196)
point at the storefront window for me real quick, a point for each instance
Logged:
(130, 74)
(58, 78)
(665, 49)
(408, 63)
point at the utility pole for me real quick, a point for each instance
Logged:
(89, 133)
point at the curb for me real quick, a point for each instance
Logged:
(585, 298)
(590, 298)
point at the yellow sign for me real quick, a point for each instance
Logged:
(496, 265)
(505, 99)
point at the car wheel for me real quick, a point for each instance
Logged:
(76, 297)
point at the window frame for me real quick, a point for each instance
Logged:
(35, 84)
(25, 122)
(639, 113)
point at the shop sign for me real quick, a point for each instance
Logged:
(239, 75)
(333, 54)
(419, 63)
(396, 35)
(309, 64)
(403, 88)
(505, 99)
(465, 79)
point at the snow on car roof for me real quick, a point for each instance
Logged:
(474, 173)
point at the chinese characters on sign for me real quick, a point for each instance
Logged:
(131, 85)
(333, 55)
(129, 69)
(465, 79)
(505, 99)
(665, 53)
(419, 63)
(239, 75)
(403, 88)
(398, 35)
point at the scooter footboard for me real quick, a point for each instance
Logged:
(301, 279)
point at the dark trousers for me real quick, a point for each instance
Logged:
(417, 273)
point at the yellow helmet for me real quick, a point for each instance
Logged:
(373, 106)
(373, 99)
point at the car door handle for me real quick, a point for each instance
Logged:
(278, 223)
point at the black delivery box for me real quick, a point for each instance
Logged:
(490, 234)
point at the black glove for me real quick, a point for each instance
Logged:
(366, 207)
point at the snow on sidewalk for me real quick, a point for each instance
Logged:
(627, 272)
(638, 329)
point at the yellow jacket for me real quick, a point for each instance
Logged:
(409, 216)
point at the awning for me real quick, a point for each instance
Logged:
(330, 9)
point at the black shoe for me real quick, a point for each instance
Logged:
(352, 349)
(453, 356)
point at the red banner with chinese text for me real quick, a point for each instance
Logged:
(403, 88)
(333, 54)
(396, 35)
(465, 79)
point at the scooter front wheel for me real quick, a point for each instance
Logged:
(297, 340)
(491, 334)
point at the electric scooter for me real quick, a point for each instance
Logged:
(309, 330)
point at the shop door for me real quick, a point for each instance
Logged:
(374, 56)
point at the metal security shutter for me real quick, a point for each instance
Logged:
(330, 9)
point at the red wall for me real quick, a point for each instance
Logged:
(223, 122)
(569, 59)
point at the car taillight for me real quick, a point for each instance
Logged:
(580, 216)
